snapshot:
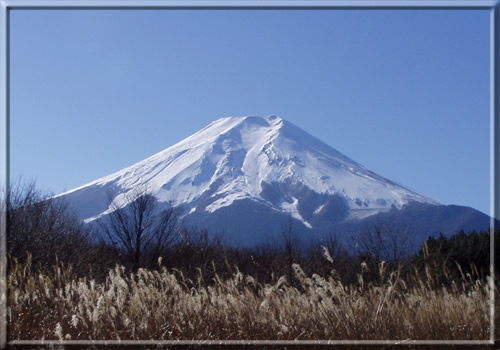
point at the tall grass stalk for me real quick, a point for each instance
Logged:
(164, 305)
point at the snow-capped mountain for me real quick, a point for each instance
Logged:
(251, 174)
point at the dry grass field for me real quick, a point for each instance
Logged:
(163, 304)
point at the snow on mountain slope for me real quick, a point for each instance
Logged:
(267, 160)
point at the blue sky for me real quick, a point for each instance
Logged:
(403, 92)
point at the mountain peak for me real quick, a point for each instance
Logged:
(266, 161)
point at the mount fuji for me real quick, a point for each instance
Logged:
(252, 177)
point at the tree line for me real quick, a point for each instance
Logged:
(137, 233)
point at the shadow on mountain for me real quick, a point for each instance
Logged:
(425, 220)
(249, 222)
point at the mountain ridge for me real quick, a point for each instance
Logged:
(266, 165)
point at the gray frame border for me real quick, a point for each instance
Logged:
(7, 5)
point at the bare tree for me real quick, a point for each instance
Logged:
(385, 242)
(44, 226)
(290, 247)
(334, 245)
(140, 227)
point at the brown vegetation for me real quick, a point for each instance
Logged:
(163, 304)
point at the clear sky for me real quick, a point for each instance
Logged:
(405, 93)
